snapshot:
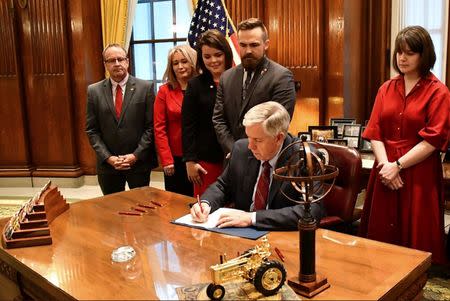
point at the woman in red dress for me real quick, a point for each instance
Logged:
(408, 127)
(167, 118)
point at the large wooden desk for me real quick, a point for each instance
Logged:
(78, 266)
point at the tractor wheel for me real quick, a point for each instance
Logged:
(215, 291)
(270, 277)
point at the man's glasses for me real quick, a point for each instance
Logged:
(118, 59)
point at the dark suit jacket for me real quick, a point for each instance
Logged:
(236, 185)
(131, 133)
(199, 138)
(271, 81)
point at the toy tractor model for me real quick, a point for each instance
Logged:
(268, 276)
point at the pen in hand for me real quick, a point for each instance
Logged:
(199, 203)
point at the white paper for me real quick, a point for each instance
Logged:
(213, 218)
(367, 163)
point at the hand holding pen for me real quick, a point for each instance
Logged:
(200, 211)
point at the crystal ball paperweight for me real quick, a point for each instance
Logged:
(122, 254)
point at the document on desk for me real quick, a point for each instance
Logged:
(213, 218)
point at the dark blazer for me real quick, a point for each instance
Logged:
(236, 185)
(131, 133)
(271, 82)
(199, 138)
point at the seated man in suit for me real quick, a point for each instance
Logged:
(247, 180)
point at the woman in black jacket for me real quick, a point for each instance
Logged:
(201, 151)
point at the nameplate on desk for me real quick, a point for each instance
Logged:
(213, 218)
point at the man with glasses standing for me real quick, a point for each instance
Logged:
(119, 124)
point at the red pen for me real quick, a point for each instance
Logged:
(146, 206)
(129, 213)
(279, 254)
(138, 209)
(199, 203)
(156, 203)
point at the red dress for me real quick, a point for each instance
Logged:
(412, 216)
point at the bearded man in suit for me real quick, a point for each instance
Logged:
(252, 162)
(255, 81)
(119, 124)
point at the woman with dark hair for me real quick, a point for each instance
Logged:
(167, 118)
(408, 127)
(201, 151)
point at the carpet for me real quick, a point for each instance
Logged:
(438, 284)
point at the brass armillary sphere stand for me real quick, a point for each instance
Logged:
(306, 169)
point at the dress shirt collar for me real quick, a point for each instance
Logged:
(122, 83)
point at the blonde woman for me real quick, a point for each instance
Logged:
(167, 118)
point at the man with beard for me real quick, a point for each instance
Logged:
(119, 124)
(256, 80)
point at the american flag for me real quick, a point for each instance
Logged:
(212, 14)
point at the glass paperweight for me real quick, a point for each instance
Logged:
(122, 254)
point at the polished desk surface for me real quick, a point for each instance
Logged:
(78, 264)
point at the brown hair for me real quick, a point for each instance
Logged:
(189, 53)
(251, 24)
(215, 39)
(419, 41)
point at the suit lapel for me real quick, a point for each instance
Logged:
(129, 92)
(276, 184)
(107, 90)
(262, 71)
(250, 178)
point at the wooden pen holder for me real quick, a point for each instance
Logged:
(32, 228)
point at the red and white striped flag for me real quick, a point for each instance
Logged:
(212, 14)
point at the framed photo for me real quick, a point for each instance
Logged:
(304, 135)
(342, 142)
(340, 122)
(364, 145)
(321, 133)
(352, 130)
(352, 141)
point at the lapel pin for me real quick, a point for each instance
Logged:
(211, 86)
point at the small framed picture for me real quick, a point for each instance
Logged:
(304, 135)
(364, 145)
(321, 133)
(340, 122)
(352, 130)
(352, 141)
(342, 142)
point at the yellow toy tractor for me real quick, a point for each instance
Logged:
(268, 276)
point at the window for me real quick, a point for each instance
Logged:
(158, 26)
(432, 15)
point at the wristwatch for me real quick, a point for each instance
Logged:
(399, 165)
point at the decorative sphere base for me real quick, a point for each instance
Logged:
(309, 289)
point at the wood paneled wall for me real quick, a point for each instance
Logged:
(366, 54)
(338, 51)
(47, 66)
(50, 52)
(14, 150)
(243, 9)
(296, 41)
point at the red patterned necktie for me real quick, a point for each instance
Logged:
(119, 97)
(262, 188)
